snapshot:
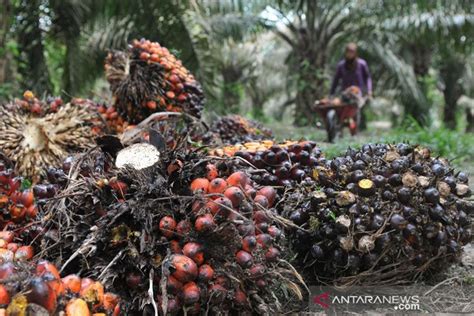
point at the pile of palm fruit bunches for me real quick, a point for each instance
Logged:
(119, 210)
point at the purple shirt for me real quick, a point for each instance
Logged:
(359, 77)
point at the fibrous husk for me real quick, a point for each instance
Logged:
(38, 134)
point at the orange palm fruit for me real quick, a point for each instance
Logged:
(167, 226)
(185, 268)
(72, 283)
(235, 195)
(77, 307)
(217, 185)
(110, 301)
(200, 185)
(238, 179)
(24, 253)
(4, 295)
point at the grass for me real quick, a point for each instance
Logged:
(455, 145)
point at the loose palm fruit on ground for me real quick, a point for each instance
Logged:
(378, 207)
(148, 78)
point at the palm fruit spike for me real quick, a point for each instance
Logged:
(147, 78)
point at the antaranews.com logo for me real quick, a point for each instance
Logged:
(395, 300)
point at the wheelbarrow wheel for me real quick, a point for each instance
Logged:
(331, 125)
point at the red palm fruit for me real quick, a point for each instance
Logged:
(15, 184)
(7, 235)
(134, 279)
(42, 294)
(182, 97)
(77, 307)
(200, 185)
(144, 56)
(274, 231)
(72, 283)
(93, 294)
(151, 105)
(212, 172)
(183, 228)
(175, 247)
(7, 270)
(261, 283)
(240, 298)
(244, 259)
(13, 246)
(110, 301)
(235, 195)
(17, 212)
(204, 223)
(191, 293)
(173, 285)
(217, 185)
(170, 94)
(262, 200)
(44, 267)
(24, 253)
(174, 79)
(4, 296)
(223, 281)
(256, 271)
(155, 58)
(6, 255)
(167, 226)
(27, 198)
(264, 240)
(269, 193)
(194, 251)
(250, 191)
(272, 254)
(249, 243)
(32, 211)
(238, 179)
(261, 217)
(206, 273)
(221, 205)
(185, 268)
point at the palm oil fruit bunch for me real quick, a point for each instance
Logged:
(147, 78)
(236, 234)
(232, 129)
(36, 134)
(38, 289)
(148, 238)
(392, 210)
(280, 164)
(115, 123)
(17, 201)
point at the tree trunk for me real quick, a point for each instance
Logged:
(470, 120)
(33, 66)
(5, 18)
(308, 67)
(451, 72)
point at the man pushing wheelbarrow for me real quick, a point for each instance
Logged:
(353, 78)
